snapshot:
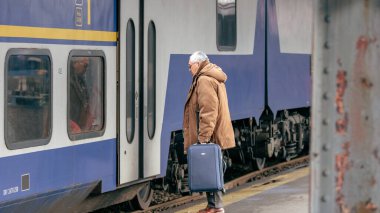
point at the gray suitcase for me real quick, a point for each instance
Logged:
(205, 166)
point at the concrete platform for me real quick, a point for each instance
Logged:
(283, 193)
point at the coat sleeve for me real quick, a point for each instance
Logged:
(208, 104)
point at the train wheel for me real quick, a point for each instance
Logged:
(142, 199)
(259, 163)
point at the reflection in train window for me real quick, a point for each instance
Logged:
(86, 96)
(151, 80)
(226, 25)
(130, 73)
(28, 98)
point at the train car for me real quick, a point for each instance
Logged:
(50, 162)
(93, 94)
(268, 84)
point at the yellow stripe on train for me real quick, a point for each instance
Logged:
(56, 33)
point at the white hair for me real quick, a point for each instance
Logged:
(198, 56)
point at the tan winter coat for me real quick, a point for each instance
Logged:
(208, 96)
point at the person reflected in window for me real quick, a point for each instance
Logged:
(79, 96)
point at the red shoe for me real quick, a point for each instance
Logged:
(219, 210)
(211, 210)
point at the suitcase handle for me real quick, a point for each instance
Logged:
(208, 142)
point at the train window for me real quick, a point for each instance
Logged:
(226, 25)
(28, 98)
(151, 79)
(86, 94)
(130, 60)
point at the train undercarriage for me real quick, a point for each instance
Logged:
(270, 139)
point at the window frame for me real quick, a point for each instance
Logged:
(86, 53)
(33, 142)
(219, 46)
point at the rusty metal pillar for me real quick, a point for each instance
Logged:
(345, 151)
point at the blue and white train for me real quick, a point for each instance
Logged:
(136, 84)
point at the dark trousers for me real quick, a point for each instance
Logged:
(214, 199)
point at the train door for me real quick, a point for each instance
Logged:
(139, 146)
(128, 97)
